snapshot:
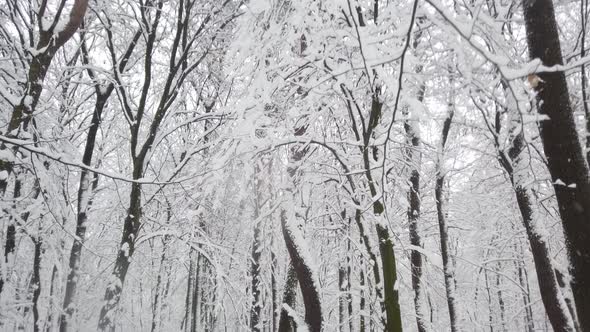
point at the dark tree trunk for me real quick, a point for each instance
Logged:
(256, 307)
(293, 237)
(363, 301)
(10, 242)
(393, 322)
(490, 307)
(442, 222)
(349, 280)
(305, 275)
(273, 289)
(564, 153)
(36, 283)
(286, 322)
(413, 218)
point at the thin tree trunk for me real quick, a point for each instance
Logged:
(256, 307)
(363, 301)
(10, 242)
(273, 288)
(442, 222)
(84, 204)
(36, 283)
(393, 323)
(526, 301)
(341, 298)
(196, 300)
(490, 307)
(413, 160)
(186, 322)
(565, 157)
(501, 299)
(52, 312)
(349, 279)
(158, 297)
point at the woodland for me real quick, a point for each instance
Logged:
(281, 165)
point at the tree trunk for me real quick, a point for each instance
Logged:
(363, 301)
(514, 165)
(296, 246)
(36, 283)
(413, 218)
(391, 306)
(256, 308)
(273, 288)
(159, 296)
(341, 298)
(392, 309)
(286, 323)
(305, 274)
(84, 203)
(562, 148)
(349, 279)
(442, 222)
(115, 285)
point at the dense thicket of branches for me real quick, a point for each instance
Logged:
(278, 165)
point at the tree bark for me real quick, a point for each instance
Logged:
(36, 282)
(256, 307)
(449, 275)
(564, 154)
(513, 163)
(286, 323)
(127, 247)
(413, 160)
(305, 274)
(273, 289)
(294, 241)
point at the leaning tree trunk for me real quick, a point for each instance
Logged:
(442, 222)
(553, 300)
(305, 273)
(298, 252)
(565, 157)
